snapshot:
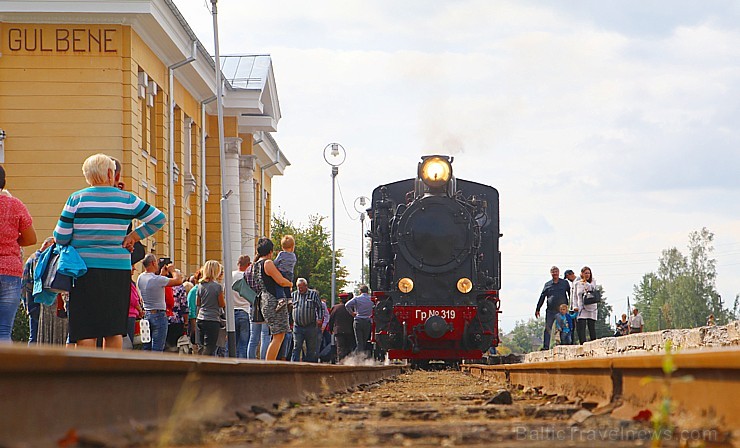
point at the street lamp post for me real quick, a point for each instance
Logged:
(224, 202)
(360, 204)
(334, 154)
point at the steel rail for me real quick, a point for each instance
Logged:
(46, 392)
(704, 391)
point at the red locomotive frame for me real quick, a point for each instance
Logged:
(450, 345)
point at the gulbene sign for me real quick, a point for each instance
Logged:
(62, 39)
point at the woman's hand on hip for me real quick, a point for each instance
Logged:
(131, 239)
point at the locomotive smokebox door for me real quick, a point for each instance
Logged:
(432, 237)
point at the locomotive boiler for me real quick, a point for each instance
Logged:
(435, 265)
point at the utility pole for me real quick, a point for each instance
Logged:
(225, 227)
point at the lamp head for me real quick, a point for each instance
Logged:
(361, 204)
(334, 154)
(435, 171)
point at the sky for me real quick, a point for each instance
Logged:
(609, 128)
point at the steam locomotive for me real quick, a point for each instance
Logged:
(435, 265)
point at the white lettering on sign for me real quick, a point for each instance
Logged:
(445, 314)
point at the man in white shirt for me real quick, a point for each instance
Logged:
(636, 322)
(242, 309)
(571, 277)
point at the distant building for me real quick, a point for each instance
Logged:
(78, 78)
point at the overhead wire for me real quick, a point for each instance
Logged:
(341, 196)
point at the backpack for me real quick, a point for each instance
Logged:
(253, 276)
(241, 286)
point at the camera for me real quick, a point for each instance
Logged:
(164, 261)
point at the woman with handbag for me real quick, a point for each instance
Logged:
(266, 278)
(94, 221)
(16, 231)
(587, 313)
(259, 333)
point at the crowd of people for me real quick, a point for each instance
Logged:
(572, 309)
(161, 309)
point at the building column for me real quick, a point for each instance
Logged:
(246, 200)
(232, 146)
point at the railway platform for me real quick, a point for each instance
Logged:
(49, 392)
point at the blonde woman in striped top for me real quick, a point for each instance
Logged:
(94, 221)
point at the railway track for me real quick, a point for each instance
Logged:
(137, 400)
(596, 402)
(109, 398)
(703, 391)
(443, 408)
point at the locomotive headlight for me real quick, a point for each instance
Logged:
(405, 285)
(436, 171)
(464, 285)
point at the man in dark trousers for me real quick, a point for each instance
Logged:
(557, 292)
(340, 324)
(361, 307)
(308, 314)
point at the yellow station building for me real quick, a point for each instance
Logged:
(129, 78)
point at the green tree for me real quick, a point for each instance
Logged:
(313, 250)
(526, 336)
(703, 268)
(603, 316)
(649, 300)
(683, 292)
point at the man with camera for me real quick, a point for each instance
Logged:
(152, 287)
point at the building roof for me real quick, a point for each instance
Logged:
(253, 93)
(246, 71)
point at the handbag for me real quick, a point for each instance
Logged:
(145, 331)
(242, 287)
(592, 297)
(257, 316)
(256, 279)
(53, 280)
(184, 346)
